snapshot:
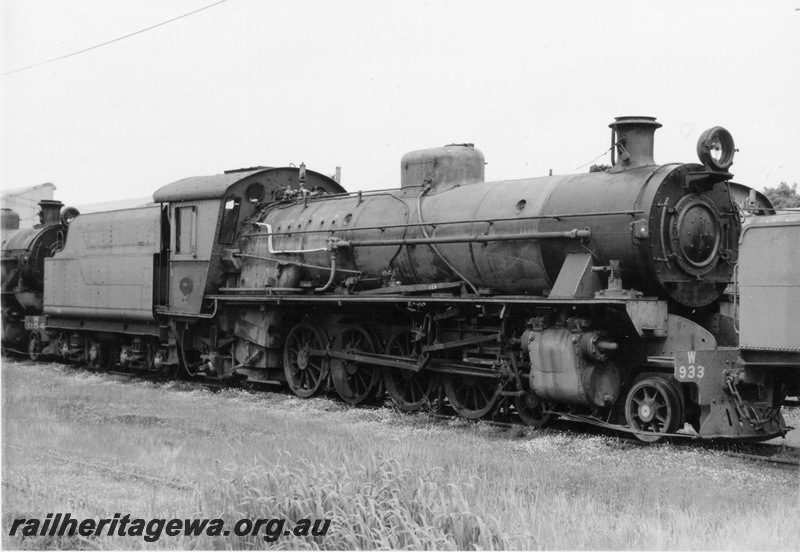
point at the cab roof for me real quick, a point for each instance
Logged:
(202, 187)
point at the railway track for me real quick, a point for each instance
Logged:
(130, 471)
(780, 455)
(784, 455)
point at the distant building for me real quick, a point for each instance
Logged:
(115, 205)
(25, 202)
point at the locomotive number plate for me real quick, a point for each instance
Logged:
(35, 322)
(688, 367)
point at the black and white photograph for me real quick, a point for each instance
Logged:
(400, 275)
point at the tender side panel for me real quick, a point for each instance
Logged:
(769, 284)
(107, 267)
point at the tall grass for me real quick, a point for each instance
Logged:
(376, 503)
(90, 445)
(373, 504)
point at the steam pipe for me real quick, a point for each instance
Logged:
(294, 263)
(285, 251)
(573, 234)
(328, 285)
(435, 249)
(631, 213)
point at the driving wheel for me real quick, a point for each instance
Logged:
(304, 362)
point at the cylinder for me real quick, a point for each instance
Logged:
(562, 372)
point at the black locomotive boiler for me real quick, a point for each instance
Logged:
(23, 253)
(608, 296)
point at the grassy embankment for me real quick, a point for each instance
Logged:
(94, 446)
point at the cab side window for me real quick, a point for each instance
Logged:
(185, 235)
(230, 216)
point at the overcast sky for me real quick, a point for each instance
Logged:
(357, 84)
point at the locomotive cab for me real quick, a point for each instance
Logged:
(207, 214)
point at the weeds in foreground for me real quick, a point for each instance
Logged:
(374, 504)
(92, 446)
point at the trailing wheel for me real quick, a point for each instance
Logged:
(408, 389)
(652, 408)
(304, 363)
(471, 396)
(354, 381)
(532, 410)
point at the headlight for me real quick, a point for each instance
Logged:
(715, 148)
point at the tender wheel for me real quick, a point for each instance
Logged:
(153, 358)
(92, 354)
(60, 347)
(110, 356)
(653, 407)
(472, 397)
(305, 368)
(531, 410)
(408, 389)
(102, 356)
(158, 363)
(354, 382)
(34, 346)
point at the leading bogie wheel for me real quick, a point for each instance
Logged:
(471, 396)
(532, 410)
(354, 381)
(409, 390)
(304, 362)
(653, 408)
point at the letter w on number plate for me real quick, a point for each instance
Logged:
(688, 367)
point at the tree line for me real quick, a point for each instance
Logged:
(783, 196)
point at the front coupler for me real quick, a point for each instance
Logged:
(736, 402)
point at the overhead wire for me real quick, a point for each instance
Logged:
(114, 40)
(595, 159)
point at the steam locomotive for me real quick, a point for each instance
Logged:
(655, 299)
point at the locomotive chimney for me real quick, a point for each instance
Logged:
(50, 211)
(632, 140)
